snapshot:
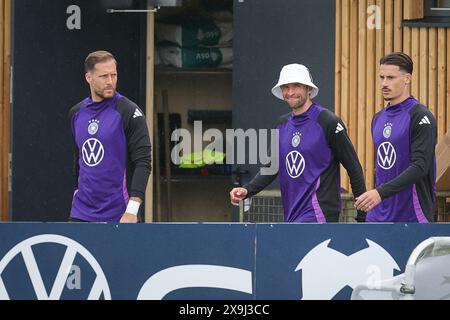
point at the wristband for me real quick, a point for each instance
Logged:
(133, 207)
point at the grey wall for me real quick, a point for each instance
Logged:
(48, 78)
(269, 34)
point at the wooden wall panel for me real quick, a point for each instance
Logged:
(407, 41)
(337, 59)
(415, 55)
(432, 70)
(428, 47)
(150, 114)
(379, 52)
(371, 90)
(5, 62)
(398, 28)
(352, 122)
(413, 9)
(345, 78)
(361, 104)
(353, 86)
(2, 107)
(389, 25)
(442, 80)
(447, 122)
(422, 73)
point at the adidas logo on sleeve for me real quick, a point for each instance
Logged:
(137, 113)
(424, 120)
(339, 128)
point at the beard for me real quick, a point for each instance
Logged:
(104, 95)
(298, 105)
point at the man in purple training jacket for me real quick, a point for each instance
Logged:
(313, 142)
(404, 135)
(112, 151)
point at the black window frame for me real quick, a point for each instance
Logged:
(428, 12)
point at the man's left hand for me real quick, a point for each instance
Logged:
(368, 200)
(129, 218)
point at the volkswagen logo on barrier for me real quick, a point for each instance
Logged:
(295, 164)
(93, 152)
(386, 155)
(24, 248)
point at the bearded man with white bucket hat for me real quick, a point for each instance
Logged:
(313, 141)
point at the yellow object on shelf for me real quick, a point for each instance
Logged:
(200, 159)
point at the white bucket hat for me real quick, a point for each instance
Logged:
(294, 73)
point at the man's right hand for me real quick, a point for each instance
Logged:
(237, 194)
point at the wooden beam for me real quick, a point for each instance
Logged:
(363, 124)
(442, 80)
(5, 29)
(398, 27)
(379, 51)
(415, 56)
(448, 82)
(413, 9)
(388, 26)
(353, 80)
(345, 75)
(371, 88)
(407, 41)
(3, 157)
(432, 70)
(423, 66)
(150, 114)
(337, 59)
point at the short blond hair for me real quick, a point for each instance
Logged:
(96, 57)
